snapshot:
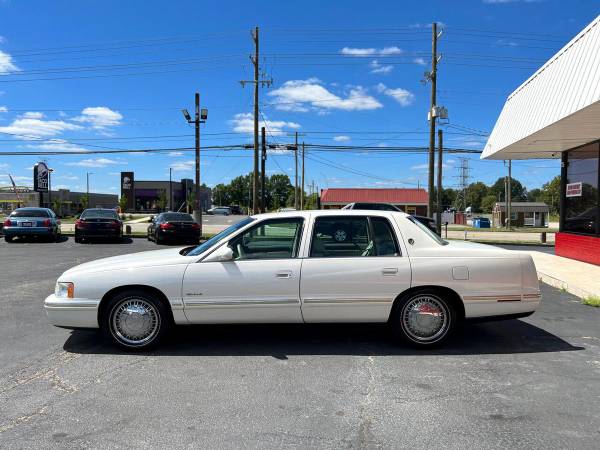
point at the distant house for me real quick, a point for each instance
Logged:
(523, 214)
(411, 201)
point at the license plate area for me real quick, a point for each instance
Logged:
(26, 224)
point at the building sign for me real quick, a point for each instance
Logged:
(574, 189)
(128, 189)
(40, 177)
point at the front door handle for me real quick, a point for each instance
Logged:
(284, 274)
(389, 271)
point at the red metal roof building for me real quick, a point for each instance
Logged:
(412, 201)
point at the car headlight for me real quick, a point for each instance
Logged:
(64, 290)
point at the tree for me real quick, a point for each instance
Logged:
(190, 200)
(162, 200)
(280, 189)
(517, 190)
(123, 203)
(550, 194)
(534, 195)
(57, 206)
(85, 201)
(487, 203)
(475, 194)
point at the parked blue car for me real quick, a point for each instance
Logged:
(31, 222)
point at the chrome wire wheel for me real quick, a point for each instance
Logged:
(134, 322)
(425, 318)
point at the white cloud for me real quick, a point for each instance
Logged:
(426, 166)
(6, 64)
(67, 177)
(33, 125)
(362, 52)
(57, 145)
(100, 117)
(341, 138)
(184, 166)
(175, 154)
(420, 61)
(244, 123)
(378, 68)
(303, 95)
(97, 162)
(4, 166)
(402, 96)
(3, 109)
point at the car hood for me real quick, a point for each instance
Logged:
(133, 261)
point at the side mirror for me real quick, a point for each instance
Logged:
(222, 254)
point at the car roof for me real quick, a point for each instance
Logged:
(327, 213)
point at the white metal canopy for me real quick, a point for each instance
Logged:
(557, 108)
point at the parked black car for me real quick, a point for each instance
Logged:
(98, 223)
(174, 227)
(427, 221)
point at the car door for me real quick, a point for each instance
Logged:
(354, 279)
(260, 284)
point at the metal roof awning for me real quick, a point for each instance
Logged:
(557, 108)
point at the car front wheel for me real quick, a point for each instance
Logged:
(135, 320)
(423, 318)
(8, 238)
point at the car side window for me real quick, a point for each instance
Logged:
(384, 237)
(336, 237)
(270, 239)
(339, 237)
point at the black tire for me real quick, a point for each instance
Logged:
(8, 238)
(77, 239)
(152, 313)
(157, 239)
(423, 318)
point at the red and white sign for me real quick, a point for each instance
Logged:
(574, 189)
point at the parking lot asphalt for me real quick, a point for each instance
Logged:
(530, 383)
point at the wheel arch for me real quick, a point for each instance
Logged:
(134, 287)
(444, 291)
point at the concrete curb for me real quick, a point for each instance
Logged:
(563, 285)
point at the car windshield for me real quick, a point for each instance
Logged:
(427, 231)
(99, 214)
(30, 212)
(217, 237)
(177, 217)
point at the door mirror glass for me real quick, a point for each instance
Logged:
(222, 254)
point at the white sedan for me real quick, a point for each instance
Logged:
(301, 266)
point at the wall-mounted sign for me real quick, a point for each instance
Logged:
(40, 177)
(574, 189)
(128, 189)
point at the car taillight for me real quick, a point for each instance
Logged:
(7, 223)
(47, 222)
(80, 223)
(116, 224)
(167, 226)
(195, 226)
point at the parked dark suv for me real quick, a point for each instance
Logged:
(427, 221)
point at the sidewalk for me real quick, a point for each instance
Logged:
(578, 278)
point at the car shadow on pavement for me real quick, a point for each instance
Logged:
(283, 340)
(97, 241)
(38, 240)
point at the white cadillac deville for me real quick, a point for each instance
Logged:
(301, 266)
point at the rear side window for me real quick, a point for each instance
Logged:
(343, 237)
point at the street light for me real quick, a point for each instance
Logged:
(200, 116)
(50, 187)
(87, 177)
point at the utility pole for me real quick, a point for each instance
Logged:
(257, 83)
(438, 217)
(509, 194)
(302, 190)
(263, 159)
(296, 173)
(433, 78)
(170, 189)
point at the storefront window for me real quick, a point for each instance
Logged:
(582, 211)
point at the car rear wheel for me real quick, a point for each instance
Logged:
(8, 238)
(135, 320)
(423, 318)
(158, 239)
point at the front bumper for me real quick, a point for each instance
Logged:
(72, 312)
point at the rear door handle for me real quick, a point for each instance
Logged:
(284, 274)
(389, 271)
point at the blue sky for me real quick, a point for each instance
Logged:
(115, 74)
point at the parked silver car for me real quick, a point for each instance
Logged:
(40, 222)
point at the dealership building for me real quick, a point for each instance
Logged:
(145, 196)
(555, 113)
(411, 201)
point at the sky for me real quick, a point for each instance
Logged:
(106, 75)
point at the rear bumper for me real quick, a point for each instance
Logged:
(100, 233)
(178, 235)
(495, 307)
(27, 231)
(72, 312)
